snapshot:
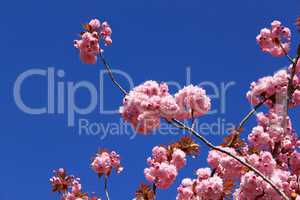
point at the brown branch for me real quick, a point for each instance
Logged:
(111, 76)
(106, 188)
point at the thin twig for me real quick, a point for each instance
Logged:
(193, 119)
(111, 76)
(209, 144)
(243, 122)
(106, 188)
(249, 114)
(286, 53)
(154, 191)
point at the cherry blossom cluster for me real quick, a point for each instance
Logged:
(224, 165)
(253, 187)
(271, 146)
(88, 44)
(275, 40)
(104, 162)
(68, 186)
(206, 186)
(165, 162)
(147, 103)
(273, 89)
(273, 129)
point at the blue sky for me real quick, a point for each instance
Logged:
(156, 40)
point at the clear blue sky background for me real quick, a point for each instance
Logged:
(154, 39)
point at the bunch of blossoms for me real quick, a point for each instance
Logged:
(273, 142)
(165, 162)
(206, 186)
(147, 103)
(271, 157)
(275, 40)
(274, 130)
(88, 44)
(224, 165)
(104, 162)
(253, 187)
(68, 186)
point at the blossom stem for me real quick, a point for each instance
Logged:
(250, 167)
(111, 76)
(154, 191)
(250, 113)
(106, 188)
(286, 53)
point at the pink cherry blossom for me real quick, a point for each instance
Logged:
(186, 190)
(210, 189)
(162, 174)
(89, 42)
(269, 39)
(206, 187)
(164, 165)
(178, 159)
(146, 103)
(88, 47)
(104, 162)
(225, 165)
(192, 100)
(95, 24)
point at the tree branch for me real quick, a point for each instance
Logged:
(111, 76)
(106, 188)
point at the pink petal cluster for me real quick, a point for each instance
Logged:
(264, 162)
(226, 166)
(270, 132)
(204, 187)
(147, 103)
(254, 187)
(269, 39)
(88, 44)
(294, 162)
(104, 162)
(163, 170)
(192, 100)
(273, 88)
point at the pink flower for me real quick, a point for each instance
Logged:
(186, 190)
(104, 162)
(203, 173)
(210, 189)
(269, 39)
(206, 187)
(159, 154)
(270, 88)
(89, 43)
(259, 138)
(225, 165)
(178, 159)
(264, 162)
(162, 174)
(164, 165)
(145, 104)
(95, 24)
(192, 99)
(295, 162)
(88, 47)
